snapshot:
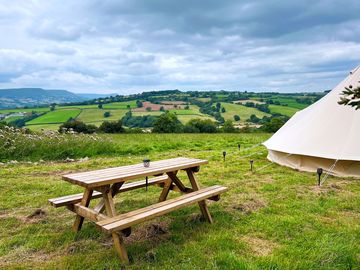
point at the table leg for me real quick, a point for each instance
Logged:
(195, 185)
(118, 240)
(177, 181)
(84, 202)
(114, 189)
(165, 191)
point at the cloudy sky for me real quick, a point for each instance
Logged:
(120, 46)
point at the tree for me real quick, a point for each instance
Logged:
(254, 119)
(223, 110)
(218, 106)
(274, 125)
(148, 109)
(229, 127)
(52, 107)
(139, 104)
(107, 114)
(236, 117)
(100, 106)
(187, 107)
(128, 106)
(200, 126)
(77, 126)
(112, 127)
(167, 123)
(162, 109)
(351, 97)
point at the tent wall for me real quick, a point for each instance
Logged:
(310, 163)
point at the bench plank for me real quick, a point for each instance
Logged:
(127, 220)
(76, 198)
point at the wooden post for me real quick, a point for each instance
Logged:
(165, 191)
(118, 240)
(203, 207)
(177, 181)
(84, 202)
(114, 190)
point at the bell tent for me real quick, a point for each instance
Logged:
(324, 135)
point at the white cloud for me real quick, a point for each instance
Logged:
(131, 46)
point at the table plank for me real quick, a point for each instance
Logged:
(112, 175)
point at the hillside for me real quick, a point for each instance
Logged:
(30, 97)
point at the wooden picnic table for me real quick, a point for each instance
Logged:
(107, 183)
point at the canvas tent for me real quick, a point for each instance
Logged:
(324, 135)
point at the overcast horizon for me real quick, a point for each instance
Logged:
(133, 46)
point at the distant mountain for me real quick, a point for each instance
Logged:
(20, 97)
(94, 96)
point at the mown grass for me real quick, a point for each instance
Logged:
(120, 105)
(271, 219)
(243, 111)
(284, 110)
(96, 116)
(43, 109)
(57, 116)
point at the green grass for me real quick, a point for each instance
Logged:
(57, 116)
(184, 118)
(46, 109)
(243, 111)
(97, 115)
(291, 102)
(273, 219)
(43, 127)
(284, 110)
(120, 105)
(12, 118)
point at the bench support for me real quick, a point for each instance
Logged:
(118, 239)
(84, 202)
(203, 207)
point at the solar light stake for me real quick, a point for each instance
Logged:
(224, 155)
(251, 164)
(239, 146)
(319, 171)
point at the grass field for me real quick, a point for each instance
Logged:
(290, 102)
(120, 105)
(40, 127)
(273, 219)
(57, 116)
(97, 115)
(284, 110)
(243, 111)
(46, 109)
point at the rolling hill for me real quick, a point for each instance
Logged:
(20, 97)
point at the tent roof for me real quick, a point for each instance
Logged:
(324, 129)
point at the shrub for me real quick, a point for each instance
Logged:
(200, 126)
(77, 126)
(107, 114)
(167, 123)
(236, 117)
(112, 127)
(228, 127)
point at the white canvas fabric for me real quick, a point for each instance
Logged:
(321, 134)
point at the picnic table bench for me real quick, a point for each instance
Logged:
(107, 183)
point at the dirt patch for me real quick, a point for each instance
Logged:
(38, 213)
(250, 206)
(154, 232)
(259, 246)
(195, 218)
(325, 189)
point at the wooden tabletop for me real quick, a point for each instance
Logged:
(108, 176)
